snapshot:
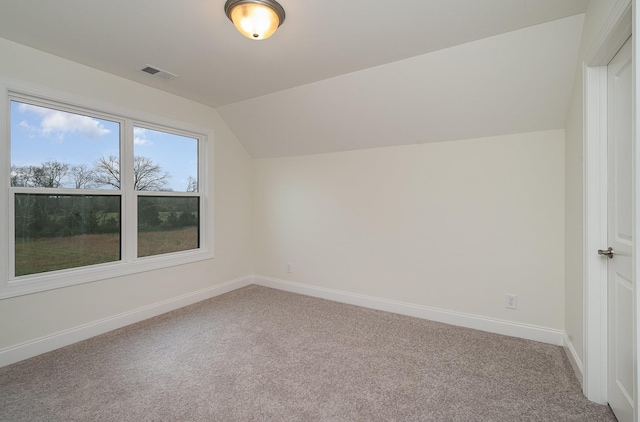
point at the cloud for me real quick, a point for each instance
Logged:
(31, 130)
(140, 136)
(26, 125)
(58, 123)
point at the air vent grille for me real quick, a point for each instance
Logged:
(158, 73)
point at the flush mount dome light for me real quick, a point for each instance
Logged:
(255, 19)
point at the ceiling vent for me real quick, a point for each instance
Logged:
(158, 73)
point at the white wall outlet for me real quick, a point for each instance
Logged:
(289, 268)
(512, 301)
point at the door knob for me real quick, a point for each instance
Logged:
(606, 252)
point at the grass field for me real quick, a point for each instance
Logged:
(159, 242)
(59, 253)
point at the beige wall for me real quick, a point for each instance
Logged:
(32, 316)
(597, 14)
(453, 225)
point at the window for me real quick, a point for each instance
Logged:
(97, 192)
(166, 223)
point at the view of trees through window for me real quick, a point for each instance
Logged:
(54, 232)
(55, 151)
(167, 224)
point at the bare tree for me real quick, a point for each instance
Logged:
(146, 174)
(49, 174)
(192, 184)
(21, 176)
(107, 172)
(83, 177)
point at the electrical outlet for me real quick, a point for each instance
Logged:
(512, 301)
(289, 270)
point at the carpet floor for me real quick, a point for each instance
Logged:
(258, 354)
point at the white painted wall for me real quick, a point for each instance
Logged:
(30, 317)
(596, 15)
(452, 225)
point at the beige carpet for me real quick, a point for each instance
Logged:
(258, 354)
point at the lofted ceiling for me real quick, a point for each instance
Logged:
(338, 75)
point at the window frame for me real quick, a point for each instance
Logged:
(129, 263)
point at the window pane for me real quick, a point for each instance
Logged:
(164, 161)
(54, 232)
(167, 224)
(56, 149)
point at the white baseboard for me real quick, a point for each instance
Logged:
(64, 338)
(509, 328)
(576, 364)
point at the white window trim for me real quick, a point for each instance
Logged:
(129, 264)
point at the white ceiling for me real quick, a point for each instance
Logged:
(338, 75)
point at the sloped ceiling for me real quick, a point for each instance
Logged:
(338, 75)
(511, 83)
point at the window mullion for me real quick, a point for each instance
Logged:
(129, 200)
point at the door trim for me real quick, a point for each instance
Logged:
(613, 35)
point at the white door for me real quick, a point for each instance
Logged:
(620, 287)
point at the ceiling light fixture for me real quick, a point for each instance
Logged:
(255, 19)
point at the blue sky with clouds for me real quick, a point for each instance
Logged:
(41, 134)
